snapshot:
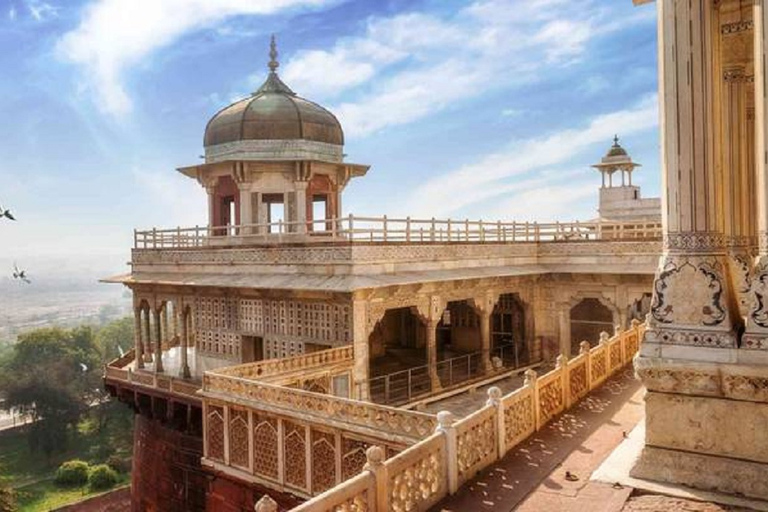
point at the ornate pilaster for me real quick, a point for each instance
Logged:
(693, 300)
(756, 335)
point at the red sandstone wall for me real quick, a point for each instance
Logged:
(167, 476)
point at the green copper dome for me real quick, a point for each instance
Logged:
(273, 112)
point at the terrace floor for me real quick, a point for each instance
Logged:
(531, 477)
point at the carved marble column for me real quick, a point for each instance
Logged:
(301, 208)
(139, 347)
(147, 336)
(364, 319)
(483, 307)
(158, 340)
(756, 336)
(184, 372)
(693, 304)
(704, 393)
(564, 330)
(165, 341)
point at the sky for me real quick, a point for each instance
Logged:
(480, 109)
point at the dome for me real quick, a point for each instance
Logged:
(273, 112)
(616, 149)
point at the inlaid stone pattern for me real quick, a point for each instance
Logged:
(690, 291)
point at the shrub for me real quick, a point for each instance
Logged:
(72, 472)
(101, 477)
(117, 463)
(7, 499)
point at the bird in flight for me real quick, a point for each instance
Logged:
(6, 214)
(20, 274)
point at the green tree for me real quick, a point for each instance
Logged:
(54, 376)
(118, 333)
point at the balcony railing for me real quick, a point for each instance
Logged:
(405, 386)
(393, 230)
(419, 477)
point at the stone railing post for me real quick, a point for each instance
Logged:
(531, 381)
(584, 348)
(561, 364)
(375, 464)
(494, 400)
(445, 426)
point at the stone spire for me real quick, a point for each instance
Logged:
(273, 83)
(273, 63)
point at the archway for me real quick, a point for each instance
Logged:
(398, 342)
(458, 331)
(589, 318)
(398, 357)
(508, 330)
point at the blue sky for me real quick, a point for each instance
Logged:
(489, 109)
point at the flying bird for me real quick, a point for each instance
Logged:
(6, 213)
(84, 367)
(120, 349)
(20, 274)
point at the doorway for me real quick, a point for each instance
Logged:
(252, 349)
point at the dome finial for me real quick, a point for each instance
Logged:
(273, 63)
(616, 140)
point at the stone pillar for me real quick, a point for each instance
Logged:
(211, 191)
(564, 330)
(139, 347)
(483, 307)
(147, 336)
(485, 338)
(301, 208)
(431, 326)
(184, 372)
(693, 303)
(703, 400)
(756, 336)
(362, 326)
(165, 341)
(158, 341)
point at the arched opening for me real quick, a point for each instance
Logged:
(508, 330)
(589, 318)
(397, 342)
(458, 331)
(398, 357)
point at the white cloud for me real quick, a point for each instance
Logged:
(40, 10)
(411, 65)
(527, 159)
(12, 13)
(116, 34)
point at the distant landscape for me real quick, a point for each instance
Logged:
(65, 292)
